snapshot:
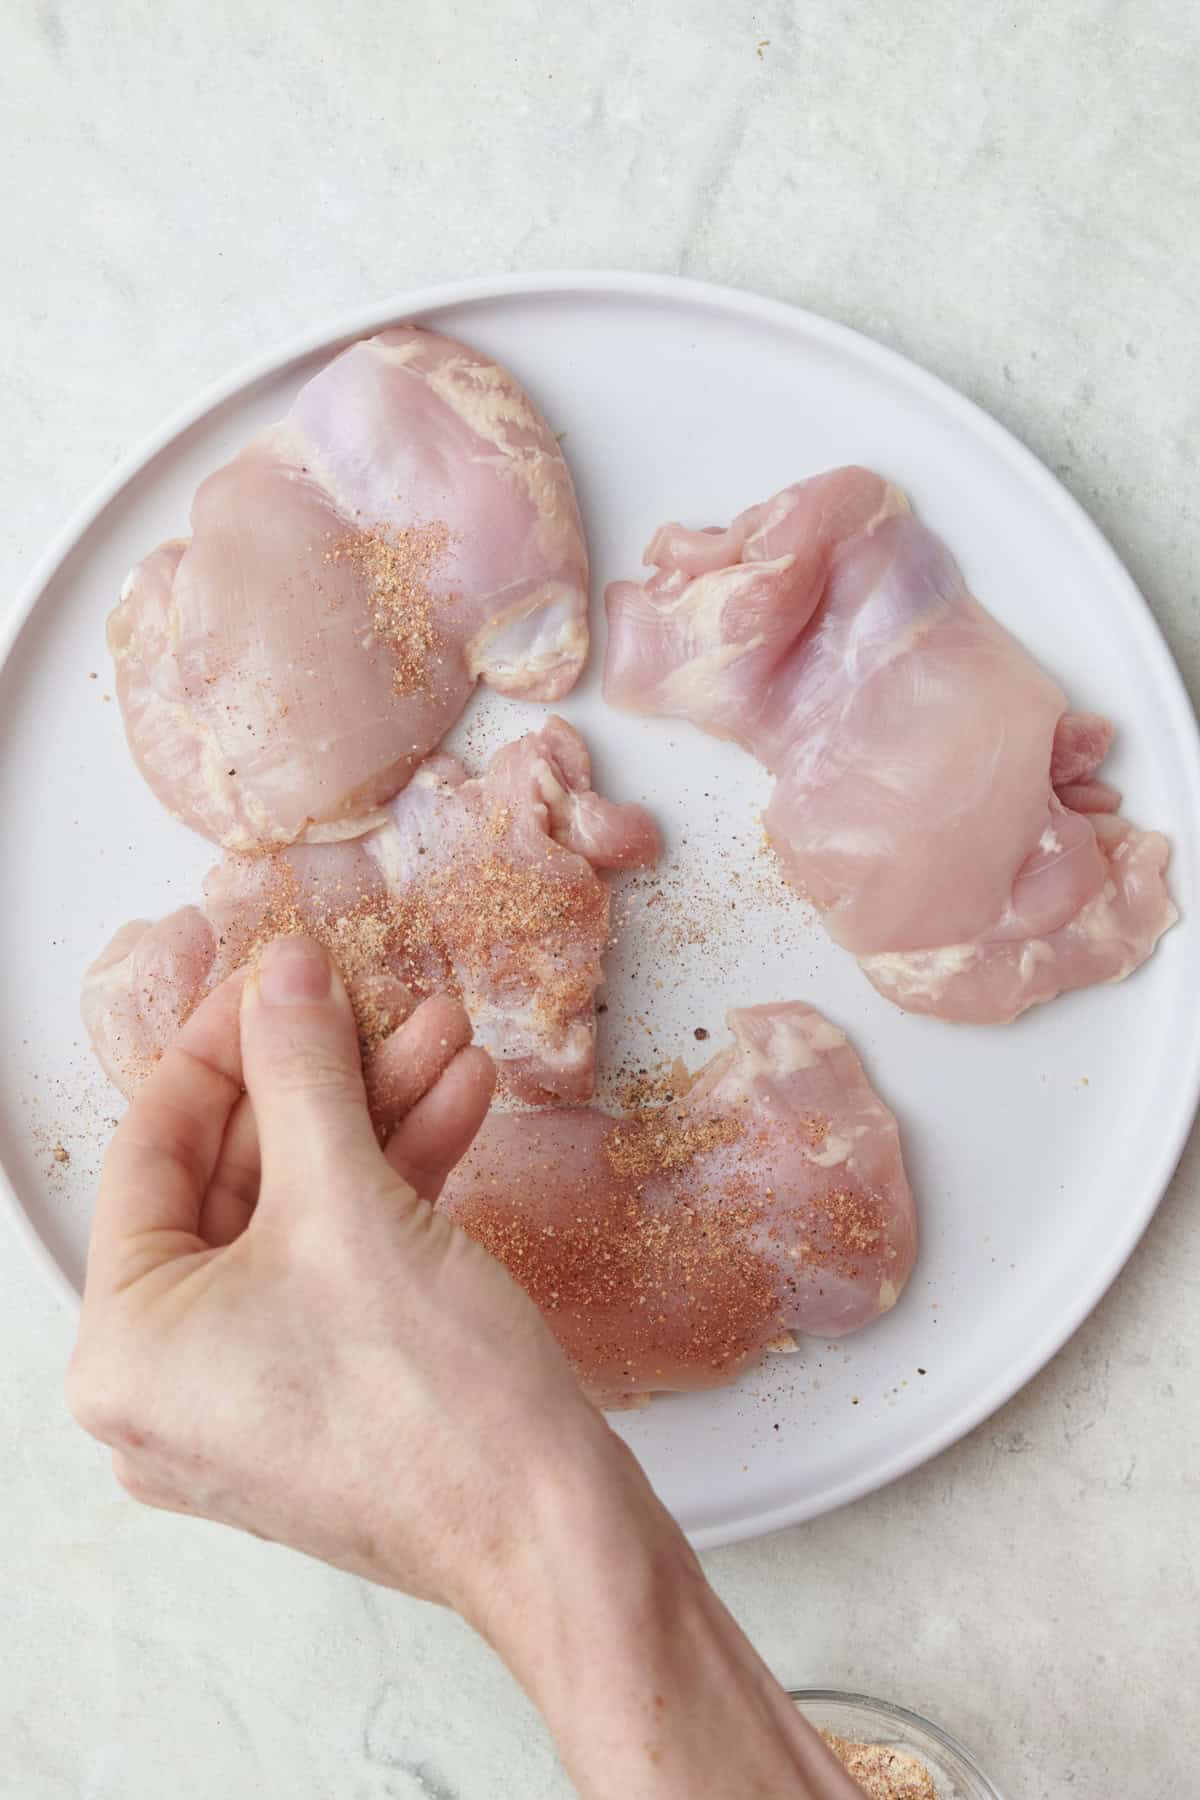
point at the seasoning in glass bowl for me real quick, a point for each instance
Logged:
(881, 1772)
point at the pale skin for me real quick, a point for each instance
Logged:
(280, 1333)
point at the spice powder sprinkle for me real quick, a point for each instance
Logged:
(397, 567)
(380, 946)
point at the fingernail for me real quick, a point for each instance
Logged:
(293, 970)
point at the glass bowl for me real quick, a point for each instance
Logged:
(956, 1774)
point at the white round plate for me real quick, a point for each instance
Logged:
(1037, 1150)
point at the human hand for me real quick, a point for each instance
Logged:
(289, 1339)
(280, 1333)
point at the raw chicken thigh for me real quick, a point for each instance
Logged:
(486, 888)
(672, 1247)
(934, 796)
(409, 529)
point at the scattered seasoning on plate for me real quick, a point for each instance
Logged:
(70, 1121)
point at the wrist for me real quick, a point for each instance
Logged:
(593, 1612)
(644, 1679)
(589, 1539)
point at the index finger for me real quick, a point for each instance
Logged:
(162, 1157)
(408, 1063)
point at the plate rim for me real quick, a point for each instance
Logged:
(714, 296)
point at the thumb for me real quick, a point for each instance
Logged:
(302, 1070)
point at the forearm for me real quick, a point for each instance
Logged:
(659, 1694)
(647, 1684)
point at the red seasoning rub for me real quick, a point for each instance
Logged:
(674, 1246)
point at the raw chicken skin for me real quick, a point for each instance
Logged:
(142, 987)
(672, 1247)
(408, 530)
(934, 797)
(486, 888)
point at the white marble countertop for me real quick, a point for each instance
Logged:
(1007, 193)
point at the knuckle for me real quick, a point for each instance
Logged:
(98, 1403)
(134, 1479)
(84, 1401)
(308, 1069)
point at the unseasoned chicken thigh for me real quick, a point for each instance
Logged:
(672, 1247)
(408, 530)
(486, 888)
(934, 796)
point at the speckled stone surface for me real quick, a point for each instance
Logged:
(1010, 194)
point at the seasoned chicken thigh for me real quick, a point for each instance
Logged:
(934, 796)
(486, 888)
(408, 530)
(500, 872)
(672, 1247)
(152, 976)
